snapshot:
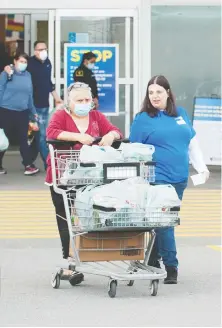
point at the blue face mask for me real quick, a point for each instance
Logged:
(91, 65)
(82, 109)
(22, 67)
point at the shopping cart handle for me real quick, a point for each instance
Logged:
(56, 142)
(175, 209)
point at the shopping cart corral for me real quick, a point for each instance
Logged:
(105, 241)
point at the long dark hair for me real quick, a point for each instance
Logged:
(170, 107)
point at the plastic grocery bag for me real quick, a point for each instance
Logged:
(4, 143)
(162, 196)
(84, 207)
(78, 175)
(118, 203)
(137, 152)
(91, 154)
(160, 199)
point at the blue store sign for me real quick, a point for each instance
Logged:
(106, 72)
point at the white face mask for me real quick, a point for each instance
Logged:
(43, 55)
(91, 65)
(82, 109)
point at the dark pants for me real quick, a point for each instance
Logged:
(16, 124)
(58, 203)
(34, 147)
(165, 244)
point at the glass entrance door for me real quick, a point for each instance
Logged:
(101, 27)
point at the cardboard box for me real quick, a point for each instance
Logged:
(111, 246)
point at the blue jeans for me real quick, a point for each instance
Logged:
(165, 244)
(43, 114)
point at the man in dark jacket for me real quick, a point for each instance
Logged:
(84, 74)
(40, 69)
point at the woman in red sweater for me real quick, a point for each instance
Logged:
(78, 123)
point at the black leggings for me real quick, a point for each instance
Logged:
(16, 123)
(58, 203)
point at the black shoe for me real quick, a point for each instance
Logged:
(76, 278)
(172, 274)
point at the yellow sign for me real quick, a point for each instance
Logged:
(103, 55)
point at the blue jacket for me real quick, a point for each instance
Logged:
(41, 80)
(17, 94)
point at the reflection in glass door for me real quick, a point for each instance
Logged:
(103, 26)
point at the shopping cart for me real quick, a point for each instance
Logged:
(106, 242)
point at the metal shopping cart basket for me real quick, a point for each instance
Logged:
(104, 241)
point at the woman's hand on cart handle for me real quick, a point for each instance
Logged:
(73, 143)
(85, 139)
(89, 141)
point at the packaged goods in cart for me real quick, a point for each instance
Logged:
(125, 203)
(89, 167)
(137, 152)
(91, 154)
(76, 172)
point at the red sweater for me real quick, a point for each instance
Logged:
(61, 121)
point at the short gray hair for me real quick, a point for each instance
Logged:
(78, 86)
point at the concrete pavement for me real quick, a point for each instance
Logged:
(27, 299)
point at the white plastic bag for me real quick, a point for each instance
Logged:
(160, 196)
(81, 175)
(91, 154)
(160, 199)
(4, 143)
(84, 206)
(127, 198)
(137, 152)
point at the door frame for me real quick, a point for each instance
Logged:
(36, 17)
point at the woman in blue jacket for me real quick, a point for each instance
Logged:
(168, 128)
(16, 105)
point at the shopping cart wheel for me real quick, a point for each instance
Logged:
(154, 287)
(112, 288)
(130, 283)
(76, 278)
(55, 282)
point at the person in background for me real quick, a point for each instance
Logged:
(40, 68)
(167, 127)
(16, 103)
(77, 123)
(84, 74)
(5, 59)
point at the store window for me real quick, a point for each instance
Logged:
(186, 48)
(97, 30)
